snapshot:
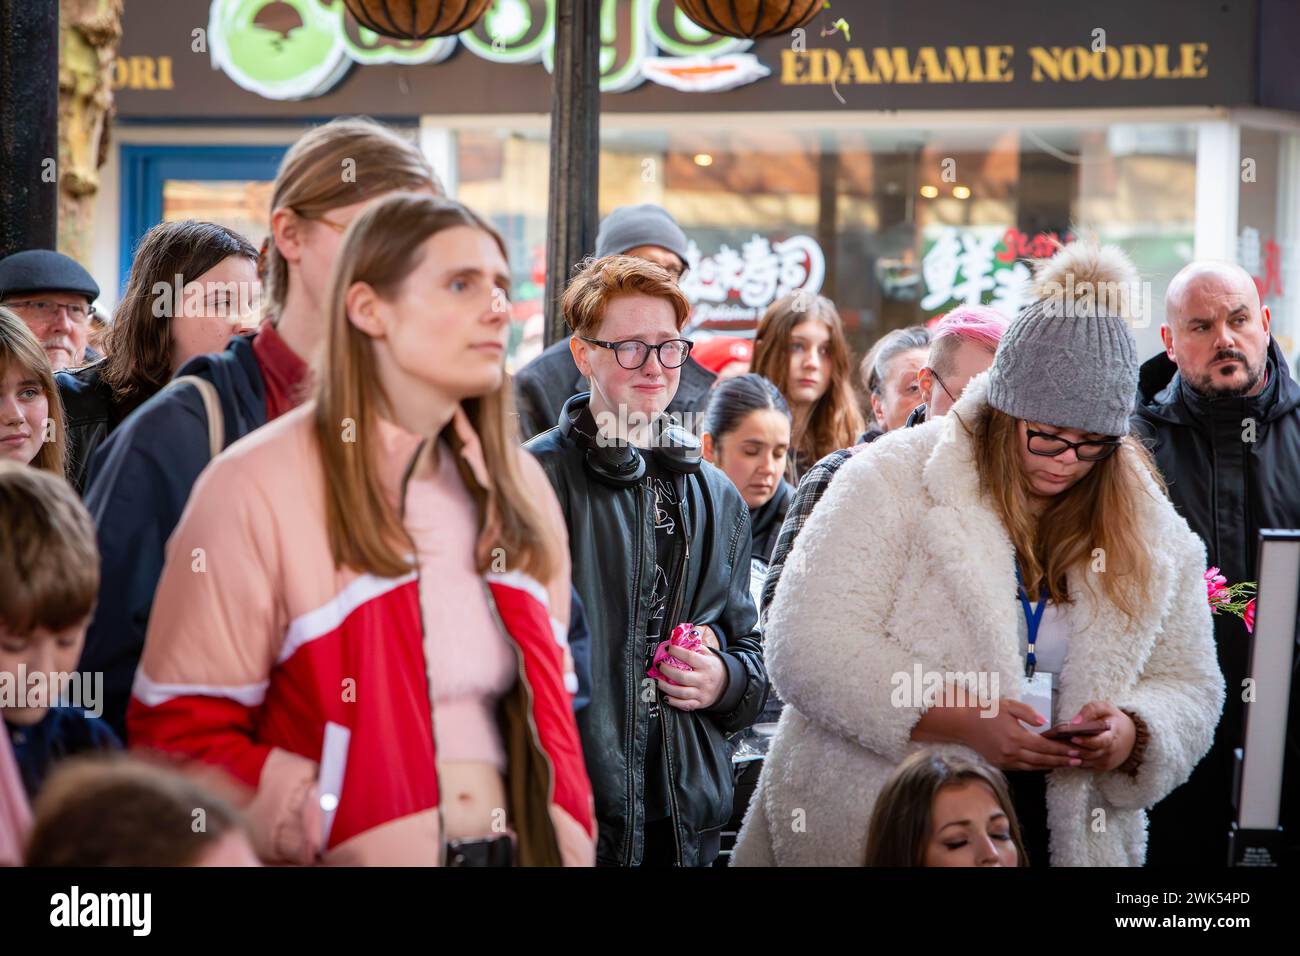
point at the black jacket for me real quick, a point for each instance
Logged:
(612, 543)
(548, 381)
(90, 413)
(140, 480)
(1228, 484)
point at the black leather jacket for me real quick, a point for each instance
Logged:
(611, 540)
(90, 413)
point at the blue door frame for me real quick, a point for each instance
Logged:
(145, 168)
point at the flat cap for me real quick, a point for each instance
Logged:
(44, 270)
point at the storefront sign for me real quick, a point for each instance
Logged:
(293, 49)
(995, 64)
(732, 288)
(291, 59)
(972, 267)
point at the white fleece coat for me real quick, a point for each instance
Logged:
(903, 563)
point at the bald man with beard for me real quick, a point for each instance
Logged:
(1221, 413)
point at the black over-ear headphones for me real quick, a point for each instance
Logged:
(622, 465)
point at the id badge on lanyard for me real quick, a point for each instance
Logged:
(1037, 687)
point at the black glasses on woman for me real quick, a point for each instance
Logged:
(1049, 446)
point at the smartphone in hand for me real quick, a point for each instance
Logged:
(1089, 728)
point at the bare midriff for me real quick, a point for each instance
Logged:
(472, 794)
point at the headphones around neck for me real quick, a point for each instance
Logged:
(622, 465)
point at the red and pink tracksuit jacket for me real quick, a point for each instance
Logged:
(257, 642)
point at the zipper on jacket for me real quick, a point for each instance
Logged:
(528, 690)
(633, 669)
(424, 656)
(676, 605)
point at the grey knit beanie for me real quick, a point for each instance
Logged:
(646, 225)
(1069, 359)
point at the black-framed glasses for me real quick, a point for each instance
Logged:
(632, 353)
(1049, 446)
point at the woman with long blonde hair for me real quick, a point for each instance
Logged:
(1010, 580)
(800, 347)
(377, 653)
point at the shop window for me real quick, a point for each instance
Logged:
(895, 226)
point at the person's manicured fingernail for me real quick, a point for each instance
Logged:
(1075, 763)
(1078, 719)
(1074, 753)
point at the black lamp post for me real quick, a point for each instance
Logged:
(29, 124)
(572, 205)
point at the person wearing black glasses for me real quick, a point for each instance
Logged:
(543, 385)
(658, 538)
(961, 346)
(55, 296)
(1011, 580)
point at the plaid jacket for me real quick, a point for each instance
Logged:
(811, 488)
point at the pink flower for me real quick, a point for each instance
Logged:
(1214, 586)
(1248, 616)
(684, 635)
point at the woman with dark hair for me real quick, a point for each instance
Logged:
(381, 656)
(747, 434)
(940, 809)
(192, 286)
(800, 347)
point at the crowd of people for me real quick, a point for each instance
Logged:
(313, 563)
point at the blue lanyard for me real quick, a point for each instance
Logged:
(1033, 616)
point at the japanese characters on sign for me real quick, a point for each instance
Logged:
(976, 266)
(731, 289)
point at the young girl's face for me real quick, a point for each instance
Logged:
(216, 305)
(24, 406)
(753, 454)
(969, 828)
(810, 362)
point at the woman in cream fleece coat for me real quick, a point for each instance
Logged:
(905, 562)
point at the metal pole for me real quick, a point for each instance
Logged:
(575, 151)
(29, 124)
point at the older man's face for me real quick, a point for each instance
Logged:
(60, 320)
(1216, 331)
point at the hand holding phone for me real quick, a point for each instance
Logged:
(1087, 729)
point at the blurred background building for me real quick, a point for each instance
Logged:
(903, 164)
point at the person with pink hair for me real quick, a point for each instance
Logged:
(962, 345)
